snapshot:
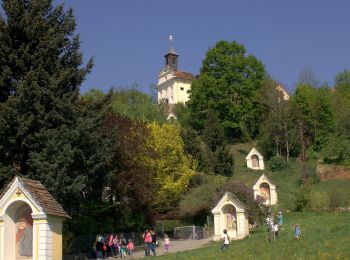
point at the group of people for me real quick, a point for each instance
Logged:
(275, 227)
(112, 246)
(151, 242)
(118, 246)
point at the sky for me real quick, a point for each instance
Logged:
(129, 38)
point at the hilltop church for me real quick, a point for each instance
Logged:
(173, 84)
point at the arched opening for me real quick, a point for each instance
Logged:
(255, 161)
(18, 231)
(265, 192)
(230, 217)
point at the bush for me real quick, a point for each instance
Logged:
(303, 198)
(278, 163)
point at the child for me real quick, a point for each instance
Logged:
(130, 247)
(122, 249)
(297, 231)
(280, 220)
(226, 241)
(166, 243)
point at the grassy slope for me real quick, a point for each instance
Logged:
(323, 236)
(287, 181)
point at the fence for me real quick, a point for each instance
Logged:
(192, 232)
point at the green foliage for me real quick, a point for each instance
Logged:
(337, 150)
(223, 163)
(341, 108)
(45, 133)
(342, 78)
(278, 163)
(173, 168)
(137, 105)
(228, 85)
(303, 198)
(278, 131)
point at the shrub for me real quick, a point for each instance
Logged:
(278, 163)
(303, 198)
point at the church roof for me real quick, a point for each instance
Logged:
(172, 51)
(41, 195)
(184, 75)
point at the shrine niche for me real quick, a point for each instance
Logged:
(230, 214)
(30, 222)
(266, 190)
(255, 160)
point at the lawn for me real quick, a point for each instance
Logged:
(323, 236)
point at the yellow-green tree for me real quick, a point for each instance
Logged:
(173, 168)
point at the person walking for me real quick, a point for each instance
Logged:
(297, 231)
(147, 238)
(280, 220)
(226, 241)
(154, 242)
(130, 247)
(166, 243)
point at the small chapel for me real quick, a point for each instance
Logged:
(255, 160)
(230, 214)
(266, 190)
(173, 84)
(30, 222)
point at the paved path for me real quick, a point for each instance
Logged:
(177, 246)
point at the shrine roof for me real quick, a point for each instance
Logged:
(41, 195)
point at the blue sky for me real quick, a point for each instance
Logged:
(129, 38)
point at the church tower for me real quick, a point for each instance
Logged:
(173, 85)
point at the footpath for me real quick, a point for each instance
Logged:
(176, 246)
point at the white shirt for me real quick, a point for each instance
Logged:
(226, 241)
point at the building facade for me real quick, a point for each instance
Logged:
(173, 85)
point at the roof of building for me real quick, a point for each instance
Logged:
(41, 195)
(171, 51)
(184, 75)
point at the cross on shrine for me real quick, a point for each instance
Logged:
(19, 192)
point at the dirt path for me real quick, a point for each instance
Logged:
(177, 246)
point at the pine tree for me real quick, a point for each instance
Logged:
(40, 74)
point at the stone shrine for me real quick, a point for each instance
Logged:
(266, 190)
(30, 222)
(230, 214)
(255, 160)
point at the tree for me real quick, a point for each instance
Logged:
(173, 168)
(137, 105)
(278, 131)
(343, 78)
(40, 74)
(308, 77)
(228, 84)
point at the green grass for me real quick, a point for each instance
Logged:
(340, 186)
(323, 236)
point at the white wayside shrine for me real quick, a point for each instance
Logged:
(30, 222)
(255, 160)
(230, 214)
(266, 190)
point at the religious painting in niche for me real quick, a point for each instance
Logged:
(255, 161)
(265, 192)
(230, 217)
(24, 233)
